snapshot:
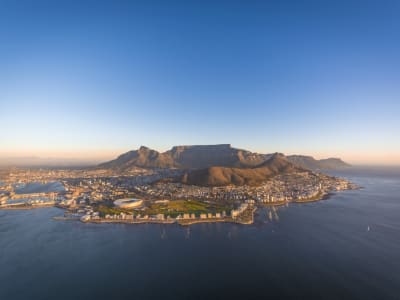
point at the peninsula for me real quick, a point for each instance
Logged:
(185, 185)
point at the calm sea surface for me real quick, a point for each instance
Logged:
(347, 247)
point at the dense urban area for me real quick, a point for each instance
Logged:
(143, 196)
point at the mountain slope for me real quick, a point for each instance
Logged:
(221, 176)
(143, 157)
(205, 156)
(311, 163)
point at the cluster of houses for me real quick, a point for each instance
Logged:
(172, 190)
(235, 213)
(3, 200)
(342, 184)
(41, 202)
(68, 202)
(286, 188)
(91, 215)
(273, 198)
(123, 216)
(281, 188)
(187, 216)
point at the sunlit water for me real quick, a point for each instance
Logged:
(347, 247)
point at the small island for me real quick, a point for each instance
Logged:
(186, 185)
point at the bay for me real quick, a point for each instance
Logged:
(346, 247)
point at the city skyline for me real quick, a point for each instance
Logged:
(314, 78)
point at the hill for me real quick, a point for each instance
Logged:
(222, 176)
(143, 157)
(311, 163)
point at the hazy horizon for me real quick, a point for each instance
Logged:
(92, 157)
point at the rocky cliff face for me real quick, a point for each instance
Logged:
(187, 157)
(205, 156)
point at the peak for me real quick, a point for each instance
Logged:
(203, 146)
(276, 159)
(278, 155)
(144, 148)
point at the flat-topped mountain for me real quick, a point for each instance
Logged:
(187, 157)
(222, 176)
(205, 156)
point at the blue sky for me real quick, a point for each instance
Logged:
(95, 78)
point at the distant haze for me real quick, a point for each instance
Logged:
(87, 158)
(46, 162)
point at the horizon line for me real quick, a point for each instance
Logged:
(91, 156)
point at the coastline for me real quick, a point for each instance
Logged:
(278, 203)
(25, 207)
(179, 222)
(325, 196)
(99, 221)
(246, 217)
(199, 221)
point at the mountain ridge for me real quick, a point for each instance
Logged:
(205, 156)
(222, 176)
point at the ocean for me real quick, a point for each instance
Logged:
(345, 247)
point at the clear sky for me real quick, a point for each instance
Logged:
(96, 78)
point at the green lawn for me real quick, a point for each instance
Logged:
(104, 210)
(175, 207)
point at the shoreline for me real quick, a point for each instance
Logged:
(179, 222)
(246, 218)
(280, 203)
(325, 196)
(25, 207)
(200, 221)
(131, 221)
